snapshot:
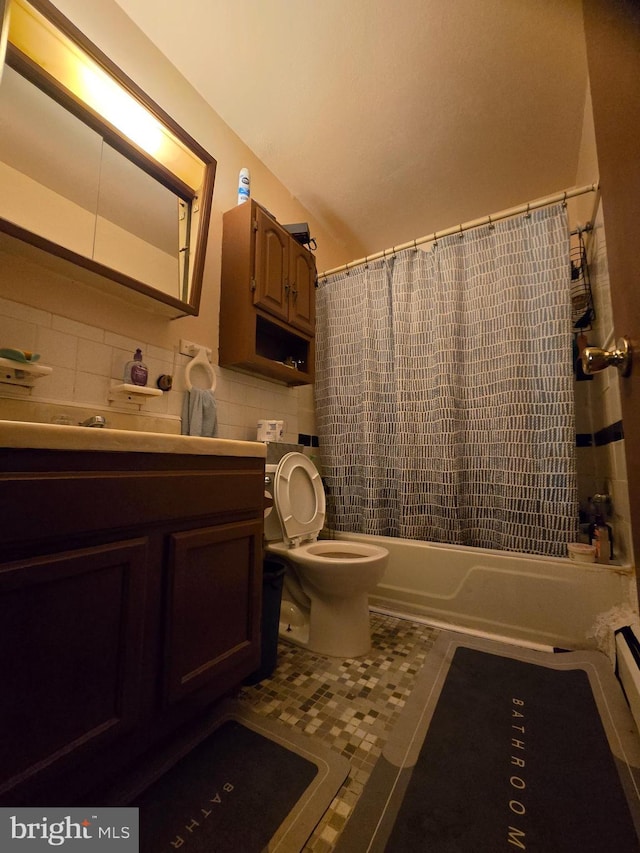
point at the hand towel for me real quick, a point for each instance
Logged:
(199, 416)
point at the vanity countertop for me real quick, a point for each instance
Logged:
(63, 437)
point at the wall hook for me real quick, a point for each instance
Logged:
(595, 359)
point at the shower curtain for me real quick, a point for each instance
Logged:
(444, 390)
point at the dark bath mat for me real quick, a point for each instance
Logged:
(250, 785)
(505, 749)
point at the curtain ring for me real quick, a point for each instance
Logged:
(415, 245)
(461, 234)
(528, 213)
(435, 239)
(366, 262)
(564, 199)
(346, 268)
(491, 225)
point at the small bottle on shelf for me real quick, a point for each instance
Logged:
(136, 371)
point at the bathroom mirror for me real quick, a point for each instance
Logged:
(93, 172)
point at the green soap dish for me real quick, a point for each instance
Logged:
(19, 355)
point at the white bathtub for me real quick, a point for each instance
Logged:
(519, 597)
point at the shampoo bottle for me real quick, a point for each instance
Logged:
(135, 371)
(602, 538)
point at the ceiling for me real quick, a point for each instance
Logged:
(390, 120)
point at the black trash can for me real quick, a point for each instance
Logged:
(273, 571)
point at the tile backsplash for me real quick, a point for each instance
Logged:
(87, 360)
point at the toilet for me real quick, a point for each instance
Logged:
(325, 604)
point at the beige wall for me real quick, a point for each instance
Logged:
(87, 335)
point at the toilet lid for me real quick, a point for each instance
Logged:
(299, 498)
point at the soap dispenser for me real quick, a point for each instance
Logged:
(136, 371)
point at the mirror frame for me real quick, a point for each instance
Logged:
(96, 272)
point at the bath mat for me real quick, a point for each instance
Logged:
(503, 748)
(249, 785)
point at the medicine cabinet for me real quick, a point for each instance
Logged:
(94, 173)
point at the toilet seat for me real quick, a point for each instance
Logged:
(299, 498)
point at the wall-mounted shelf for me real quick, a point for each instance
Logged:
(124, 393)
(22, 373)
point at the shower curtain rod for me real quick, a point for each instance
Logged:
(466, 226)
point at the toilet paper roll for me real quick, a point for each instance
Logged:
(267, 430)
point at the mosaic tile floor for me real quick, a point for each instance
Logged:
(351, 705)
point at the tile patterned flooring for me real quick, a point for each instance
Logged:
(351, 705)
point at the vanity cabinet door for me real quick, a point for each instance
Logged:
(214, 600)
(70, 655)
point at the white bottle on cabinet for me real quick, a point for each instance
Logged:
(244, 186)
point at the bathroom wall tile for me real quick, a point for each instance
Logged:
(156, 405)
(618, 461)
(278, 399)
(122, 342)
(224, 386)
(57, 386)
(94, 357)
(619, 491)
(20, 334)
(157, 364)
(255, 398)
(602, 469)
(175, 401)
(234, 433)
(90, 388)
(623, 550)
(179, 364)
(26, 313)
(57, 349)
(80, 330)
(305, 396)
(86, 359)
(612, 404)
(235, 415)
(583, 407)
(162, 354)
(119, 359)
(307, 421)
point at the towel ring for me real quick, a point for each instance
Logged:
(200, 360)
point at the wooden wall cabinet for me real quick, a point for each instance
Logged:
(130, 599)
(267, 299)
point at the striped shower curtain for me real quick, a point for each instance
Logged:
(444, 390)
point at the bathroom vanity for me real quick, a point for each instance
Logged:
(130, 596)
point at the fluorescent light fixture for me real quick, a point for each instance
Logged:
(85, 80)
